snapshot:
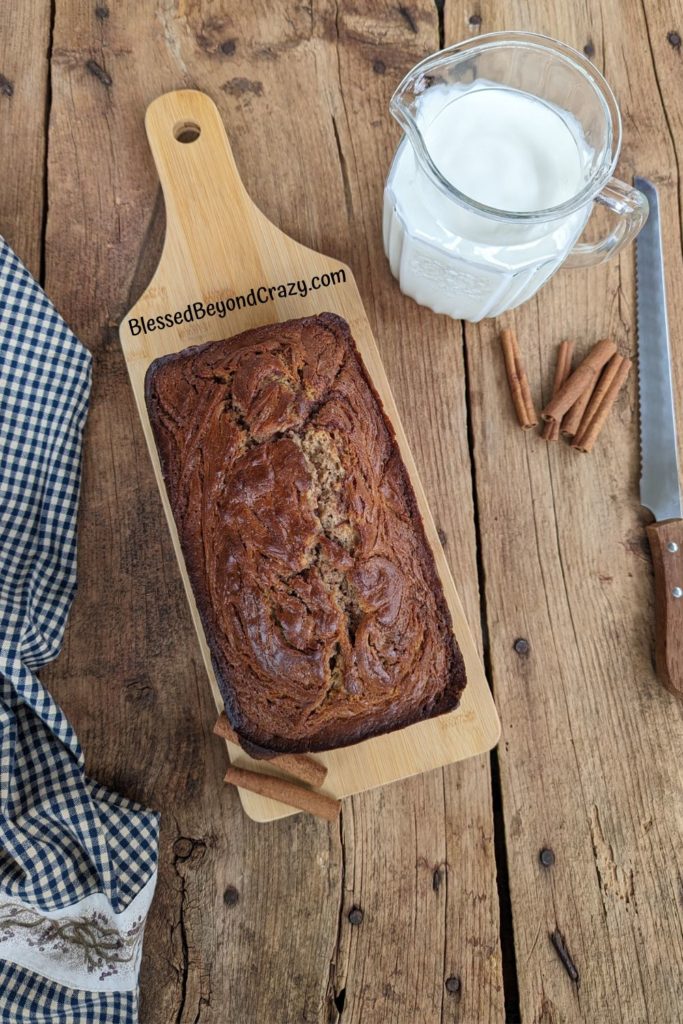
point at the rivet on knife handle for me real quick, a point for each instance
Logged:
(666, 544)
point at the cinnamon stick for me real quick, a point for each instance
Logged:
(573, 418)
(531, 414)
(582, 380)
(601, 388)
(301, 766)
(551, 430)
(586, 440)
(286, 792)
(518, 381)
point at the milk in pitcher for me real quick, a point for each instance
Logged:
(502, 150)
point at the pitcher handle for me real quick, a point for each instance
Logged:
(630, 208)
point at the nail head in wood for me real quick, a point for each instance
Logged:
(453, 984)
(560, 946)
(672, 546)
(355, 915)
(677, 592)
(231, 896)
(521, 645)
(98, 72)
(546, 857)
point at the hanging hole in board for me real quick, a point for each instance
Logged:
(186, 131)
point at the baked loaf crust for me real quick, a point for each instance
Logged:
(303, 542)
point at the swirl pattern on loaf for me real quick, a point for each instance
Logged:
(317, 590)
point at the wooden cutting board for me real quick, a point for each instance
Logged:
(219, 246)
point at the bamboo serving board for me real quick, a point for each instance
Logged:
(219, 246)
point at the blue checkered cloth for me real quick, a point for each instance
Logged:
(77, 862)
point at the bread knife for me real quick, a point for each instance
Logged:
(659, 484)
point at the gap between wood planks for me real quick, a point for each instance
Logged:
(48, 110)
(507, 941)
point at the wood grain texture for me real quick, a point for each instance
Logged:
(666, 547)
(24, 101)
(590, 757)
(250, 922)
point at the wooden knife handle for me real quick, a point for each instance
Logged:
(666, 544)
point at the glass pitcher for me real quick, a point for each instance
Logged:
(470, 260)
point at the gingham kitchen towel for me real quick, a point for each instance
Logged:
(77, 862)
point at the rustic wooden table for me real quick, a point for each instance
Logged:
(429, 903)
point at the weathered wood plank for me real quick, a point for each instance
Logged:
(419, 857)
(24, 96)
(589, 761)
(131, 675)
(250, 922)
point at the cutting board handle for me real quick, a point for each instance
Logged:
(203, 191)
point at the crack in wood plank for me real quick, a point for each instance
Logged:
(616, 881)
(667, 121)
(333, 986)
(344, 171)
(181, 929)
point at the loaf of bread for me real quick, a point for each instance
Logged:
(303, 542)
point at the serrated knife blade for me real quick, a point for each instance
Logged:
(659, 484)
